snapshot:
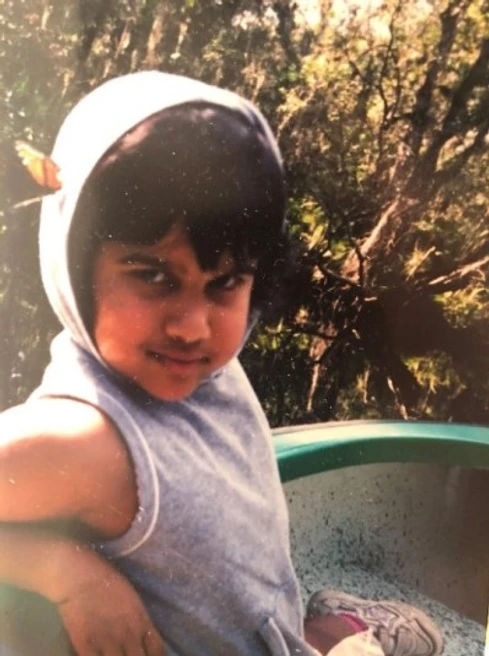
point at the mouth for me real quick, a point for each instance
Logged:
(182, 365)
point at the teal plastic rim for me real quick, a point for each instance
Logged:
(310, 449)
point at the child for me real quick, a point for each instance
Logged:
(163, 246)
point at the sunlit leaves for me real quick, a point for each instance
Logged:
(383, 133)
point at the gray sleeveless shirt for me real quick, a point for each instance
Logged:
(209, 548)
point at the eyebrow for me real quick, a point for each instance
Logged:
(141, 258)
(160, 263)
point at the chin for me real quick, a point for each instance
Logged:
(171, 394)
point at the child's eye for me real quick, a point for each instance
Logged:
(153, 277)
(158, 277)
(228, 282)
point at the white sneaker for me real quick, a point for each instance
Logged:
(402, 630)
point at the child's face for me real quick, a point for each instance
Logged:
(163, 322)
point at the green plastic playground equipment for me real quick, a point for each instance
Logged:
(394, 509)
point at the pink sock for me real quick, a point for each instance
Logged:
(354, 622)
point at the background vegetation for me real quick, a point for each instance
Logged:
(382, 113)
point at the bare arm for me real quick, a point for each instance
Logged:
(61, 459)
(64, 460)
(101, 612)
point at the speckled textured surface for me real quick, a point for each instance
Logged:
(415, 533)
(463, 637)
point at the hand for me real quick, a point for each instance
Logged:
(104, 616)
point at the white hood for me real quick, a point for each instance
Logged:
(100, 119)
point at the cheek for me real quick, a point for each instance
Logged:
(232, 324)
(119, 319)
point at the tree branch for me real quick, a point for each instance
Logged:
(450, 172)
(454, 120)
(459, 278)
(420, 117)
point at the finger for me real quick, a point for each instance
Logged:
(153, 643)
(111, 648)
(102, 645)
(132, 647)
(83, 647)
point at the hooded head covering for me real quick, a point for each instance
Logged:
(92, 127)
(201, 579)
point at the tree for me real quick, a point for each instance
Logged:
(387, 140)
(382, 115)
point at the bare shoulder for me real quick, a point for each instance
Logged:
(63, 426)
(64, 416)
(64, 458)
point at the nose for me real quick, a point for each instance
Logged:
(188, 322)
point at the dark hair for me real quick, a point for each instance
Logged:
(209, 167)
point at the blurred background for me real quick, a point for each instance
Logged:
(381, 110)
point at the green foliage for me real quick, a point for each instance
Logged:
(382, 116)
(466, 307)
